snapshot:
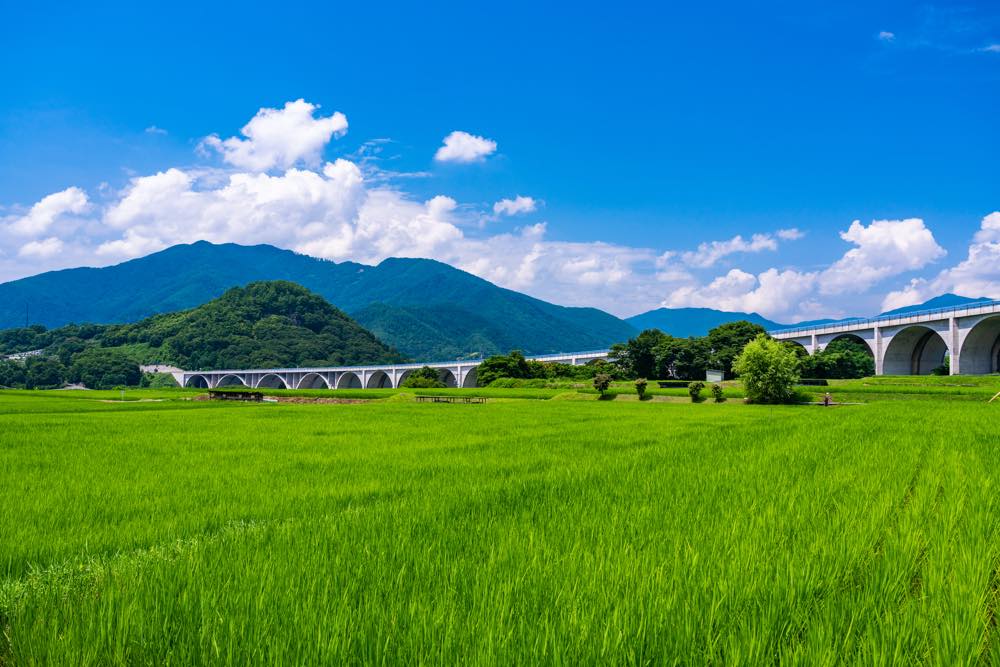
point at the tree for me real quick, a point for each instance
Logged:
(717, 393)
(103, 368)
(637, 358)
(44, 373)
(844, 358)
(768, 370)
(694, 390)
(423, 378)
(728, 340)
(640, 388)
(601, 382)
(11, 374)
(512, 365)
(682, 358)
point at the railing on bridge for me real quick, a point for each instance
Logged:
(861, 322)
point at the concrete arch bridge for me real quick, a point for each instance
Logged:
(916, 343)
(452, 374)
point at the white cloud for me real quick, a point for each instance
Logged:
(791, 234)
(152, 129)
(50, 210)
(280, 138)
(975, 276)
(992, 48)
(43, 249)
(883, 249)
(708, 254)
(772, 293)
(887, 36)
(515, 206)
(464, 147)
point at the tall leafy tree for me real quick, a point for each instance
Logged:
(728, 340)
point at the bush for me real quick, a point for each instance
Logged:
(695, 389)
(423, 378)
(158, 380)
(769, 371)
(601, 382)
(717, 393)
(640, 388)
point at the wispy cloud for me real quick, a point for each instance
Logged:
(887, 36)
(152, 129)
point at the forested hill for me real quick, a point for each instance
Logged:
(262, 325)
(424, 308)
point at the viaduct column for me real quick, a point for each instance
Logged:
(879, 356)
(812, 345)
(954, 350)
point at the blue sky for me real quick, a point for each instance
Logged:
(638, 131)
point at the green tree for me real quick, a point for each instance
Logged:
(601, 382)
(640, 388)
(717, 393)
(695, 389)
(512, 365)
(423, 378)
(768, 370)
(728, 340)
(844, 358)
(44, 373)
(12, 374)
(682, 358)
(637, 357)
(103, 368)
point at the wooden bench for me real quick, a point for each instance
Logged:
(451, 399)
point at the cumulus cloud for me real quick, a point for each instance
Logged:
(464, 147)
(770, 293)
(976, 275)
(43, 249)
(884, 248)
(515, 206)
(50, 210)
(887, 36)
(708, 254)
(791, 234)
(280, 138)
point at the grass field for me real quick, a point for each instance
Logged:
(171, 531)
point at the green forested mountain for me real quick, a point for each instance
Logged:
(423, 308)
(262, 325)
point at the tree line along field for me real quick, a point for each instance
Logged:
(169, 531)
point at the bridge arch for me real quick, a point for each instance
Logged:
(854, 338)
(313, 381)
(379, 380)
(271, 381)
(797, 347)
(914, 350)
(402, 377)
(447, 377)
(349, 380)
(231, 380)
(981, 348)
(470, 380)
(197, 382)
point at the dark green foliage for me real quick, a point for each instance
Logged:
(637, 357)
(601, 382)
(844, 358)
(695, 389)
(640, 388)
(44, 373)
(12, 375)
(727, 342)
(427, 309)
(423, 378)
(103, 368)
(682, 358)
(512, 365)
(717, 393)
(515, 366)
(158, 380)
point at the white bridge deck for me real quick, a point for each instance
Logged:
(459, 373)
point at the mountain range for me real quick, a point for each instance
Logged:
(425, 309)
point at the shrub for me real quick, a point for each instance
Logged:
(601, 382)
(423, 378)
(768, 370)
(695, 390)
(640, 388)
(717, 393)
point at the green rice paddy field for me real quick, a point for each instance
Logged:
(173, 531)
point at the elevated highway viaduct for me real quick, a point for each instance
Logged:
(452, 374)
(916, 343)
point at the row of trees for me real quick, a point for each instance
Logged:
(516, 366)
(97, 368)
(654, 354)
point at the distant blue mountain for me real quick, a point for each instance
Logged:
(944, 301)
(684, 322)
